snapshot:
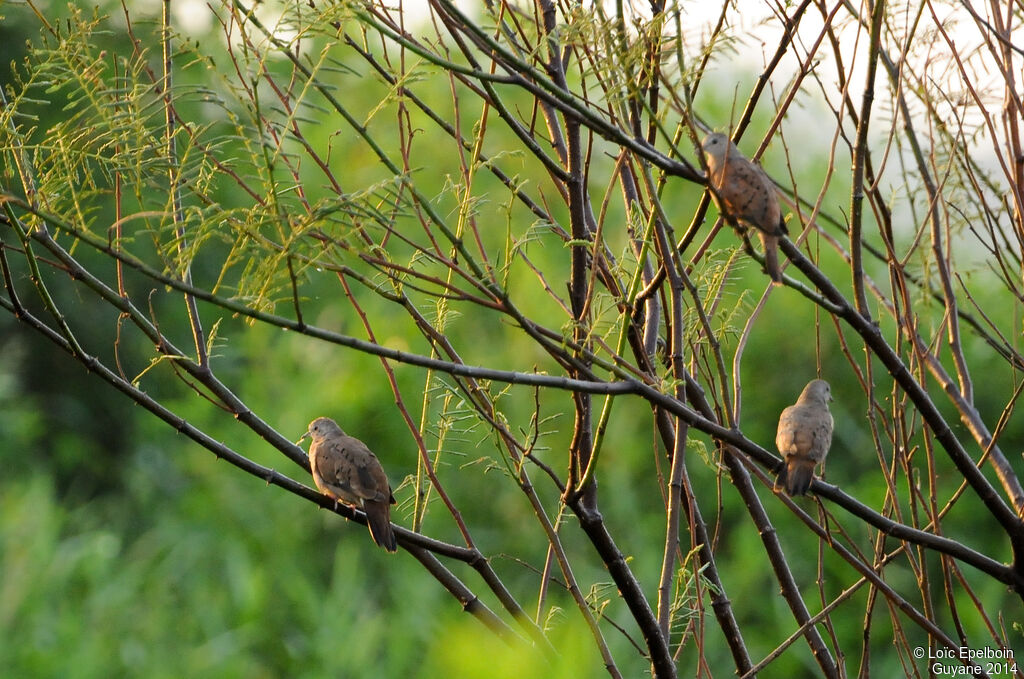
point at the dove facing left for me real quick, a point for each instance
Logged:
(746, 194)
(345, 470)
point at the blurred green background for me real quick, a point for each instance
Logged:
(128, 550)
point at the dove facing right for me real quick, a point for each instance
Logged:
(804, 436)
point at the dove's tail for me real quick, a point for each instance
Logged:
(378, 519)
(796, 476)
(771, 258)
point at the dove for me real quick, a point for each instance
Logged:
(345, 470)
(744, 193)
(804, 436)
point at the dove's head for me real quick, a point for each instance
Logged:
(321, 428)
(817, 391)
(716, 146)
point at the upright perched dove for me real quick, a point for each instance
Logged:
(746, 194)
(347, 471)
(805, 434)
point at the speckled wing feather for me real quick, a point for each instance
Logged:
(350, 471)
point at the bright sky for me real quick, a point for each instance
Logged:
(757, 30)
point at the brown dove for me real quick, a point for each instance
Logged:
(746, 194)
(805, 434)
(345, 470)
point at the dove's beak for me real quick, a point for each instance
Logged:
(303, 438)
